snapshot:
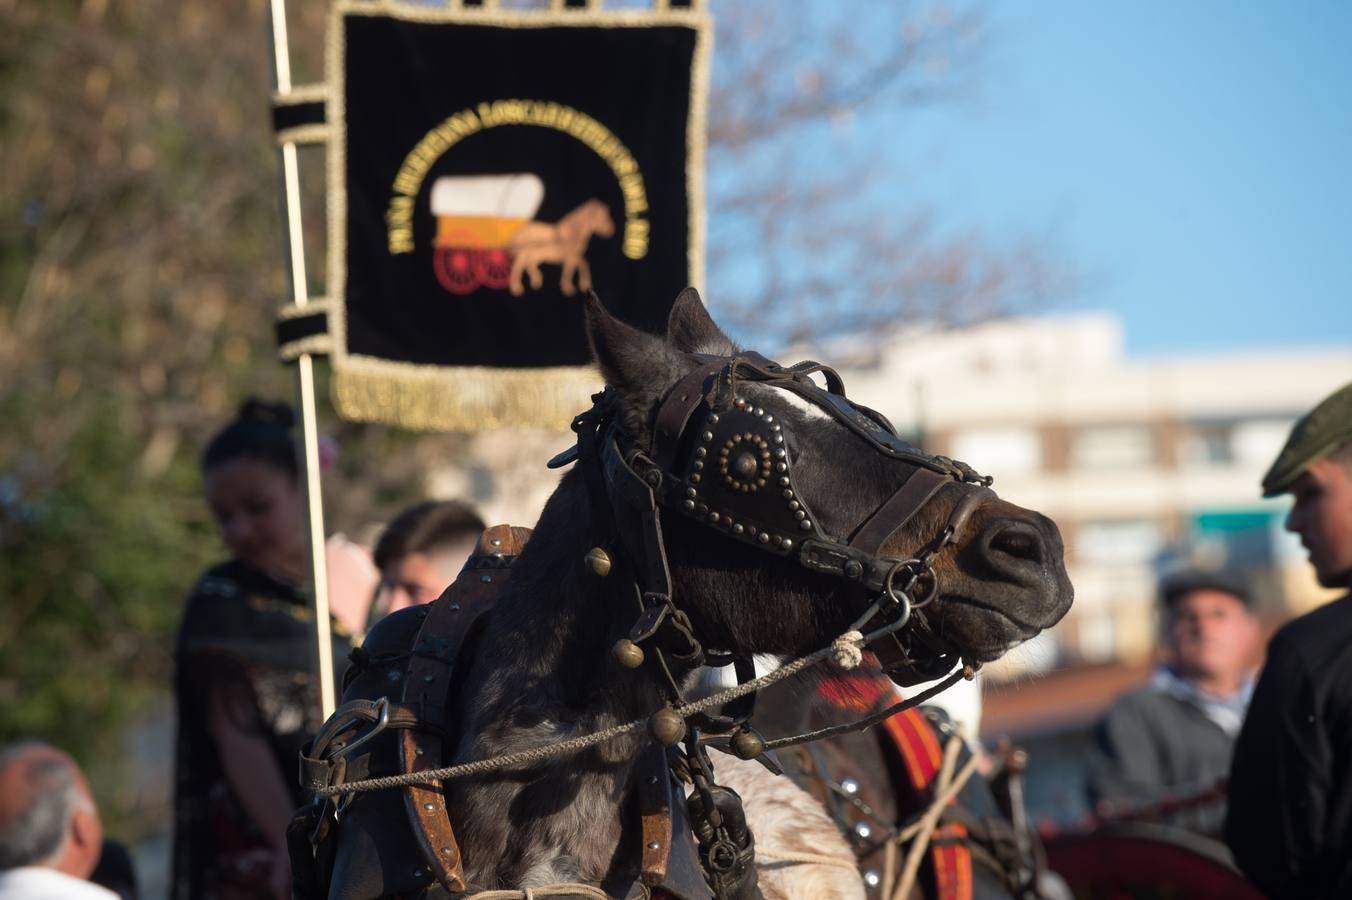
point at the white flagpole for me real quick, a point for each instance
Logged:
(305, 376)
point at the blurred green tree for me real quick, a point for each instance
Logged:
(140, 264)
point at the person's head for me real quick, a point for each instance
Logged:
(1315, 467)
(251, 478)
(47, 814)
(1212, 634)
(422, 550)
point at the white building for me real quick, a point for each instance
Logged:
(1140, 462)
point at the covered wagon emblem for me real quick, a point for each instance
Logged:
(487, 236)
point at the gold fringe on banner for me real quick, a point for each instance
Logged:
(469, 398)
(480, 398)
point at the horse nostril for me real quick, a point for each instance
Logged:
(1018, 541)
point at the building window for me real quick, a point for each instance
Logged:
(1097, 638)
(1112, 447)
(1258, 442)
(1118, 541)
(999, 451)
(1241, 537)
(1207, 444)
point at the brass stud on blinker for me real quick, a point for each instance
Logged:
(627, 653)
(598, 561)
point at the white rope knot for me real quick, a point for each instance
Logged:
(847, 651)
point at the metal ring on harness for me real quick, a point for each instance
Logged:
(900, 601)
(903, 595)
(930, 593)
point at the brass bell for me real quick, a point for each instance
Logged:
(666, 726)
(747, 744)
(598, 561)
(627, 653)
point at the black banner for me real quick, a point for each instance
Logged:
(491, 167)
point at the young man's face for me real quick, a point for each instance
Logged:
(1322, 516)
(416, 578)
(1213, 635)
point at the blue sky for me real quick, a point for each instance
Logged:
(1192, 161)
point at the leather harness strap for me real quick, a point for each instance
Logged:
(909, 737)
(897, 510)
(914, 739)
(653, 784)
(680, 403)
(427, 686)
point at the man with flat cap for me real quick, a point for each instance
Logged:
(1171, 739)
(1290, 820)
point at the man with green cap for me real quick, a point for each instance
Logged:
(1290, 818)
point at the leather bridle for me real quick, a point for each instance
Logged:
(718, 458)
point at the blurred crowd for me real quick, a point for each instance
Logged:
(1262, 758)
(246, 695)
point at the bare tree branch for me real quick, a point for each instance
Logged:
(801, 245)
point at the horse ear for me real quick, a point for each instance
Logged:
(637, 364)
(691, 330)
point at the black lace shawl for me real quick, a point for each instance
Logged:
(248, 638)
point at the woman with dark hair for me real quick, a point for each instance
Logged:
(247, 694)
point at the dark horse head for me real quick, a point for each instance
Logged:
(746, 510)
(788, 512)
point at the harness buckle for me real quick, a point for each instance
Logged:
(323, 762)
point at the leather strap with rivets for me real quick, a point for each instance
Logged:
(427, 686)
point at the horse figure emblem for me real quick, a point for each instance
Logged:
(564, 243)
(720, 506)
(487, 236)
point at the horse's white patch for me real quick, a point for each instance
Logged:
(788, 821)
(708, 681)
(809, 410)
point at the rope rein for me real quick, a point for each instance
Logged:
(947, 785)
(792, 858)
(850, 639)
